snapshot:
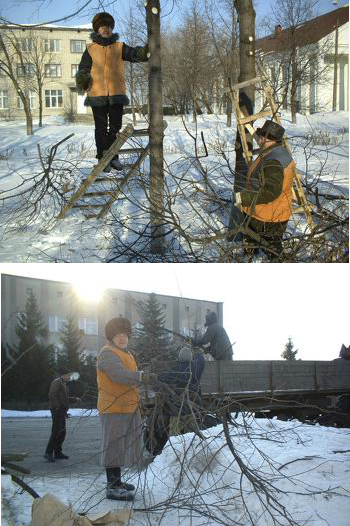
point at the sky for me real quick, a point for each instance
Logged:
(42, 11)
(263, 305)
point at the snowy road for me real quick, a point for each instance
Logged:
(30, 435)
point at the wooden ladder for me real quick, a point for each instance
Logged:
(80, 198)
(244, 120)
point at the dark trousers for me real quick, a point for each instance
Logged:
(113, 477)
(58, 431)
(271, 235)
(108, 121)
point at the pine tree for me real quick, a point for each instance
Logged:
(33, 355)
(289, 353)
(69, 357)
(152, 340)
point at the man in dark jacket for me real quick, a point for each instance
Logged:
(173, 400)
(266, 202)
(101, 75)
(220, 346)
(59, 402)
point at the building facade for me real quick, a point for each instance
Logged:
(309, 54)
(54, 53)
(57, 300)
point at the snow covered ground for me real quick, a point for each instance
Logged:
(30, 234)
(198, 482)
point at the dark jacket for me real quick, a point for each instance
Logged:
(129, 54)
(268, 195)
(220, 346)
(58, 394)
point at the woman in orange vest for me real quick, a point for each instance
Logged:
(101, 75)
(118, 401)
(267, 199)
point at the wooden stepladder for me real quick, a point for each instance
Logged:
(81, 197)
(244, 121)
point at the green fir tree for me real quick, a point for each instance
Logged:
(152, 340)
(32, 357)
(69, 357)
(289, 353)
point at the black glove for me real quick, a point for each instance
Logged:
(142, 53)
(83, 81)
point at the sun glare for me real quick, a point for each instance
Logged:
(89, 289)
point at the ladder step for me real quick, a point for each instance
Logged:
(255, 117)
(131, 150)
(97, 194)
(88, 206)
(140, 132)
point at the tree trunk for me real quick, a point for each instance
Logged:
(156, 132)
(132, 102)
(246, 15)
(228, 111)
(293, 89)
(40, 96)
(28, 113)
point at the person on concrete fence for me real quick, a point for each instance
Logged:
(220, 346)
(179, 395)
(101, 75)
(267, 199)
(59, 402)
(118, 381)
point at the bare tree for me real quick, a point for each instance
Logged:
(222, 19)
(298, 60)
(14, 64)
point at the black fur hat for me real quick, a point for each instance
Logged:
(102, 19)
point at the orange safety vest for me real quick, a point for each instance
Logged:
(107, 70)
(281, 208)
(114, 397)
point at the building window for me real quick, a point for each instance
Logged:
(74, 69)
(77, 46)
(187, 309)
(32, 101)
(164, 306)
(89, 326)
(60, 294)
(25, 70)
(53, 98)
(185, 331)
(52, 45)
(29, 290)
(56, 323)
(27, 44)
(4, 99)
(53, 70)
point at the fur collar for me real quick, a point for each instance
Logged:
(95, 37)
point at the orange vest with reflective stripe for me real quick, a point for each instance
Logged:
(281, 208)
(107, 70)
(114, 397)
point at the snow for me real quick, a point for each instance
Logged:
(40, 238)
(196, 482)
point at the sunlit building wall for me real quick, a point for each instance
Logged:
(58, 300)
